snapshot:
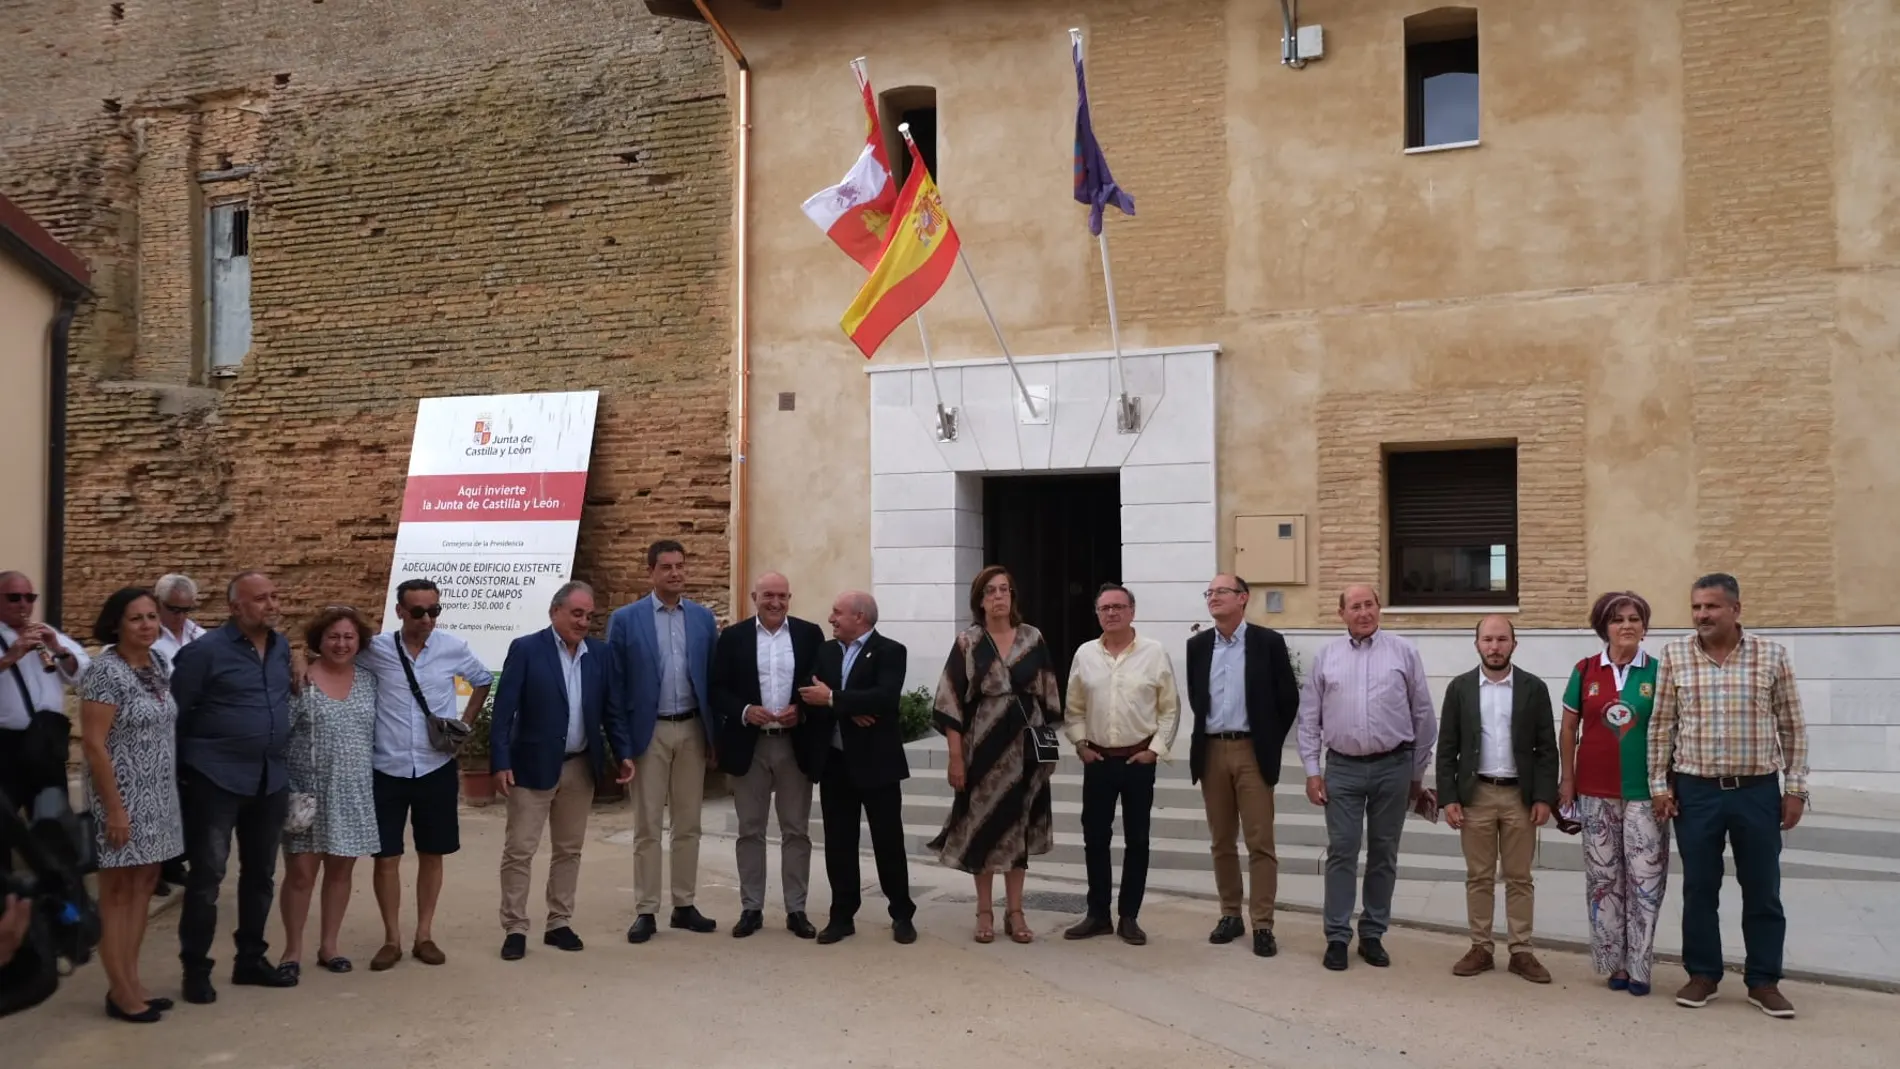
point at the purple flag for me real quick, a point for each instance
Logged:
(1094, 186)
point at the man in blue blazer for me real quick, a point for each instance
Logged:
(661, 647)
(548, 741)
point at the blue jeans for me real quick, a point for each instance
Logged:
(1749, 819)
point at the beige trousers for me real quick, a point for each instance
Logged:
(1237, 800)
(670, 775)
(563, 811)
(1498, 833)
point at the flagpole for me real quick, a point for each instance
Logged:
(946, 420)
(997, 330)
(904, 130)
(1127, 417)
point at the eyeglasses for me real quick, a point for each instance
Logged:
(16, 597)
(1211, 591)
(182, 610)
(1113, 608)
(988, 590)
(417, 612)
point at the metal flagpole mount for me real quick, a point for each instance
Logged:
(946, 423)
(1127, 415)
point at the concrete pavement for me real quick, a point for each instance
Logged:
(773, 1000)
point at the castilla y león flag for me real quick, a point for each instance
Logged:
(922, 248)
(856, 213)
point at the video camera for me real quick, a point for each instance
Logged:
(56, 847)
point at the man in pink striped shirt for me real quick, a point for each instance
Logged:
(1366, 705)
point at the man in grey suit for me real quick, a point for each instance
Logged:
(661, 646)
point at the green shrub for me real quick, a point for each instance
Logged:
(914, 715)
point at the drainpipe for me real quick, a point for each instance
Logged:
(55, 567)
(742, 351)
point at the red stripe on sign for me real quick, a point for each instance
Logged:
(551, 495)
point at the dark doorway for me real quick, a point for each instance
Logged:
(1060, 536)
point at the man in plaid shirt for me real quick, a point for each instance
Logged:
(1728, 759)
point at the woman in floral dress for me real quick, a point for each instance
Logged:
(128, 723)
(1000, 681)
(332, 736)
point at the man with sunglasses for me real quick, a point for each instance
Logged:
(35, 669)
(414, 783)
(177, 599)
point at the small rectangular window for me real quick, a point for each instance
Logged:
(1453, 520)
(228, 293)
(916, 105)
(1441, 77)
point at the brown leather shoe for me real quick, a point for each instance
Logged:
(1525, 964)
(1475, 961)
(1697, 993)
(386, 958)
(1769, 1000)
(428, 953)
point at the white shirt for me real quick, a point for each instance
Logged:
(169, 644)
(48, 689)
(571, 675)
(402, 735)
(1227, 683)
(775, 666)
(1495, 756)
(851, 651)
(1119, 699)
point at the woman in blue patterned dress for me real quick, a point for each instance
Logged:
(128, 724)
(332, 734)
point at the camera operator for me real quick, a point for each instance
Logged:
(37, 665)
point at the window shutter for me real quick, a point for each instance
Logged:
(1464, 497)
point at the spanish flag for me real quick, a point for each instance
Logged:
(920, 249)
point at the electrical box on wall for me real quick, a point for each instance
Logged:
(1270, 550)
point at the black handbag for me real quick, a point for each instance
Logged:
(1039, 740)
(44, 743)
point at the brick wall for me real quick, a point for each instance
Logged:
(445, 199)
(1761, 247)
(1545, 421)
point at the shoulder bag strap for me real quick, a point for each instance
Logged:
(415, 688)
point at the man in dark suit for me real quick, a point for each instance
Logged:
(661, 648)
(1497, 784)
(1245, 700)
(546, 746)
(852, 702)
(766, 745)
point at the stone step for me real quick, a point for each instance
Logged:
(1178, 841)
(1294, 816)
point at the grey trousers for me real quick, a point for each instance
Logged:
(774, 776)
(1369, 798)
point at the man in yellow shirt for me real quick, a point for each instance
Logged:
(1121, 716)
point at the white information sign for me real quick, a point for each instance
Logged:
(492, 509)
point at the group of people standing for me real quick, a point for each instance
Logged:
(193, 738)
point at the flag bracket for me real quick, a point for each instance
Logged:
(946, 423)
(1127, 415)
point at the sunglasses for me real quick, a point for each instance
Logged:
(182, 610)
(417, 612)
(16, 597)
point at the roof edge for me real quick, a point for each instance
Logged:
(29, 242)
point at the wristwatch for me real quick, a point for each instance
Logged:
(1803, 795)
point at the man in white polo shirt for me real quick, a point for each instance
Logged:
(415, 783)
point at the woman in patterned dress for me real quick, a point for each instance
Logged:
(999, 680)
(1604, 746)
(332, 734)
(128, 723)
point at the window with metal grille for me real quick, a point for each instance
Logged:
(228, 288)
(1452, 516)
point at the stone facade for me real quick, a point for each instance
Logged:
(1668, 270)
(445, 198)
